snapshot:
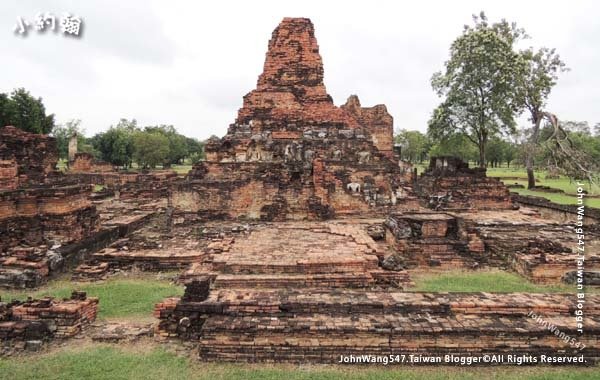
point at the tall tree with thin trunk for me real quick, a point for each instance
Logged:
(539, 76)
(478, 84)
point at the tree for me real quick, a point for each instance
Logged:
(535, 82)
(415, 145)
(511, 151)
(151, 148)
(562, 151)
(494, 153)
(478, 84)
(195, 150)
(4, 110)
(177, 143)
(116, 144)
(25, 112)
(457, 145)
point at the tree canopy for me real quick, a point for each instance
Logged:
(25, 112)
(479, 84)
(414, 145)
(149, 147)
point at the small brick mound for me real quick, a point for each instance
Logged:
(22, 323)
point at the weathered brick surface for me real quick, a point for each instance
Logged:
(58, 214)
(540, 249)
(319, 326)
(295, 254)
(292, 154)
(39, 208)
(28, 156)
(86, 163)
(44, 319)
(430, 239)
(449, 184)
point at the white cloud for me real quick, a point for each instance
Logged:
(189, 63)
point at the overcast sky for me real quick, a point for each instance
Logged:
(189, 63)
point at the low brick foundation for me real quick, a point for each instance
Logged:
(318, 326)
(33, 322)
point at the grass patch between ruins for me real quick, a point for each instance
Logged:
(109, 362)
(484, 281)
(119, 297)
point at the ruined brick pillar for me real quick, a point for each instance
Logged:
(72, 147)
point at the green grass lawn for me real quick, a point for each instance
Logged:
(483, 281)
(181, 169)
(569, 187)
(109, 362)
(119, 297)
(563, 183)
(564, 199)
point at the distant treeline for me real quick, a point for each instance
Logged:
(121, 145)
(125, 143)
(418, 147)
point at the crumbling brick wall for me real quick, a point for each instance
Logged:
(35, 155)
(31, 321)
(86, 163)
(57, 214)
(449, 184)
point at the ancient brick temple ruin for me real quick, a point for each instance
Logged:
(292, 154)
(298, 239)
(310, 226)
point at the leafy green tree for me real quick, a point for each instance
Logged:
(195, 150)
(178, 147)
(535, 82)
(457, 145)
(494, 153)
(151, 148)
(415, 145)
(25, 112)
(4, 110)
(116, 144)
(511, 152)
(478, 84)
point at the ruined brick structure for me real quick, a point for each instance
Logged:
(307, 325)
(432, 239)
(39, 208)
(310, 291)
(449, 184)
(86, 163)
(39, 204)
(25, 158)
(291, 153)
(34, 322)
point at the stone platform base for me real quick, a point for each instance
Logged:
(320, 326)
(298, 255)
